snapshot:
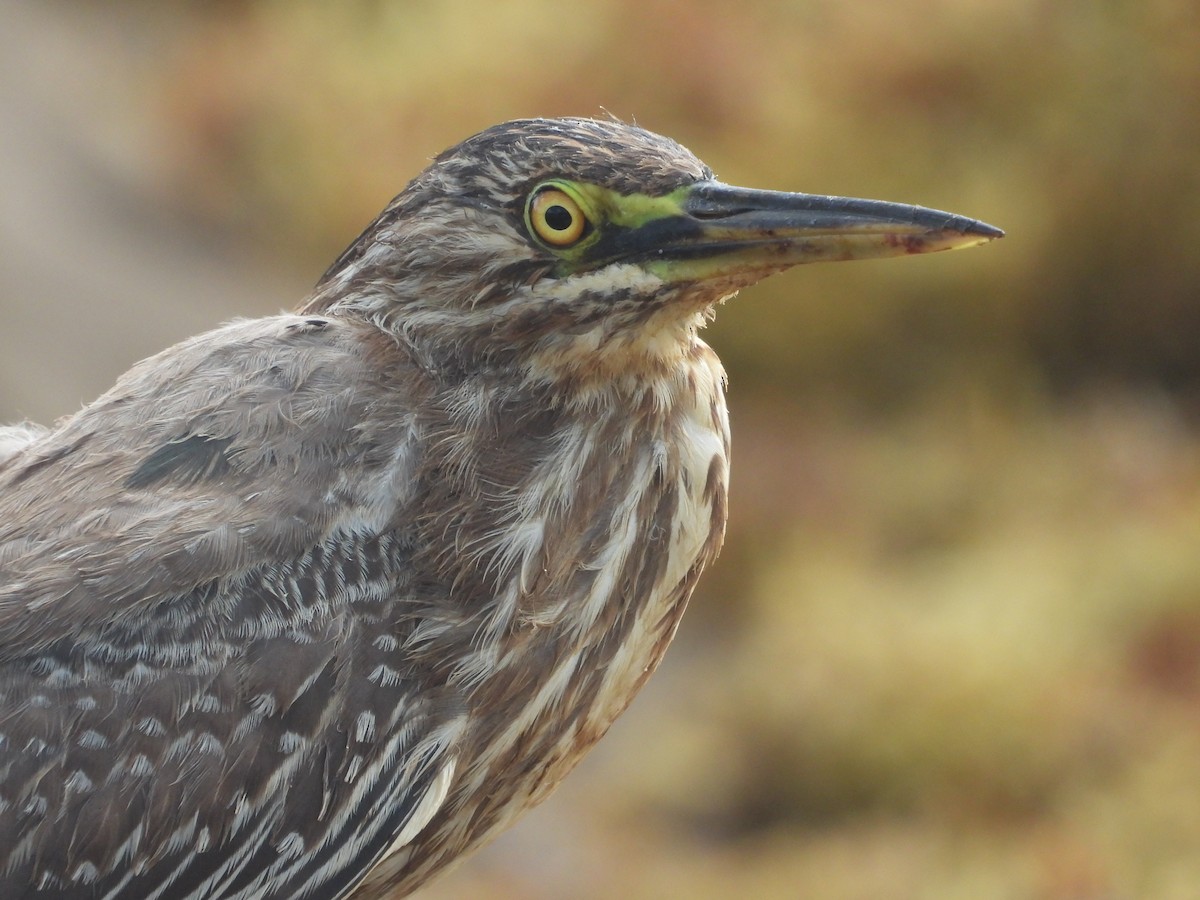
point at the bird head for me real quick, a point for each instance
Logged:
(575, 242)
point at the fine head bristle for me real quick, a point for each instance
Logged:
(512, 155)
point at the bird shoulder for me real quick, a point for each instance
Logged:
(242, 446)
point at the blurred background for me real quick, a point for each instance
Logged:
(952, 647)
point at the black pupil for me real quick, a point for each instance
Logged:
(559, 217)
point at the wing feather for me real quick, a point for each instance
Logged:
(193, 574)
(234, 449)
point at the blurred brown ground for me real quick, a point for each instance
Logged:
(952, 649)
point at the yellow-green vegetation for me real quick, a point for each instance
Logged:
(953, 647)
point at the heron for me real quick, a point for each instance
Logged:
(311, 605)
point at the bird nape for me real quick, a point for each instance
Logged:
(312, 605)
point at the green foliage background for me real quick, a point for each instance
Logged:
(952, 649)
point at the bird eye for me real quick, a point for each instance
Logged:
(556, 218)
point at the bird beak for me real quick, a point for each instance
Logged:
(723, 232)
